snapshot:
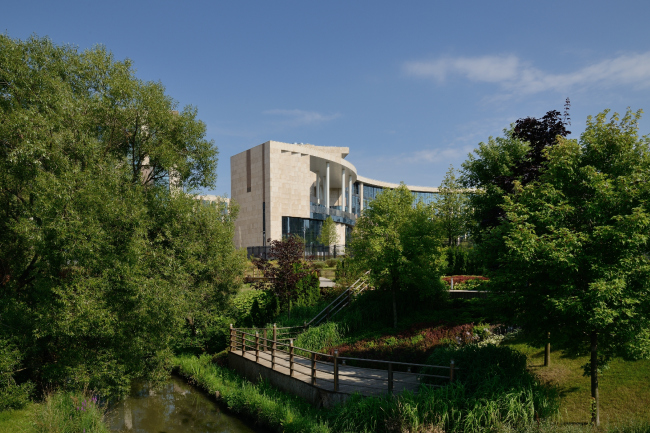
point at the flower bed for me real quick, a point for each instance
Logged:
(412, 346)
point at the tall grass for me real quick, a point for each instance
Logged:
(259, 402)
(320, 338)
(67, 412)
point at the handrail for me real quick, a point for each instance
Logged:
(344, 293)
(260, 348)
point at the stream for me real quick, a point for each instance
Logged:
(176, 407)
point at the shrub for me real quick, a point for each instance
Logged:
(331, 262)
(319, 265)
(321, 338)
(12, 395)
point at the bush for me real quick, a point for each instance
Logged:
(319, 265)
(331, 262)
(12, 395)
(321, 338)
(498, 374)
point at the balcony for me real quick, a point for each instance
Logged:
(320, 212)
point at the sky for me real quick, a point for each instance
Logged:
(410, 87)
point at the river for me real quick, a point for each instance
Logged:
(174, 408)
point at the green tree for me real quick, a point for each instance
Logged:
(400, 244)
(451, 209)
(100, 264)
(328, 235)
(577, 242)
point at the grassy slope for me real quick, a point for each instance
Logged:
(624, 389)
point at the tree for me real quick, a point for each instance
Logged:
(100, 264)
(494, 167)
(328, 235)
(577, 243)
(290, 278)
(451, 209)
(401, 246)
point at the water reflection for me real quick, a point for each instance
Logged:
(177, 407)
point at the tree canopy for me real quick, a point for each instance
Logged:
(577, 241)
(452, 207)
(100, 262)
(400, 244)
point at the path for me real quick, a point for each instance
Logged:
(366, 381)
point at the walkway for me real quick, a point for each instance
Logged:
(366, 381)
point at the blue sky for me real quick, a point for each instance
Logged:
(409, 87)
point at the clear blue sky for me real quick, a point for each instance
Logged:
(409, 87)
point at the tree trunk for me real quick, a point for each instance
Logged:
(595, 416)
(394, 311)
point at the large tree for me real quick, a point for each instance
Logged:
(494, 167)
(100, 263)
(577, 243)
(400, 244)
(328, 235)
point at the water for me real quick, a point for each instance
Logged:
(176, 407)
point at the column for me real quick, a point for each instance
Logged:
(350, 194)
(318, 187)
(327, 185)
(360, 196)
(343, 189)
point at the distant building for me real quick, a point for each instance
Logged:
(284, 189)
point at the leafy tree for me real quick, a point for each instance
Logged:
(328, 235)
(494, 167)
(400, 244)
(577, 243)
(100, 263)
(451, 209)
(292, 280)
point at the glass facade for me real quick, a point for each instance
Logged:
(370, 193)
(425, 197)
(306, 228)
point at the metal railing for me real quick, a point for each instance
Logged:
(341, 301)
(320, 368)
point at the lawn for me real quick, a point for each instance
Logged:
(624, 388)
(18, 421)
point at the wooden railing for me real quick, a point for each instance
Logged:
(270, 349)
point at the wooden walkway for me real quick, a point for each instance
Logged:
(366, 381)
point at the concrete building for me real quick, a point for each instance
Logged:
(284, 189)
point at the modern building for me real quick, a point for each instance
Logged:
(285, 189)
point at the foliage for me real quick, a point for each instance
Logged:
(498, 374)
(332, 262)
(401, 246)
(451, 209)
(494, 167)
(413, 345)
(577, 241)
(321, 338)
(259, 402)
(328, 234)
(319, 265)
(462, 261)
(101, 264)
(70, 412)
(12, 395)
(291, 279)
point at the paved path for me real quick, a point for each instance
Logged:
(326, 282)
(367, 381)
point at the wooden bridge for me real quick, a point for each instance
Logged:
(273, 352)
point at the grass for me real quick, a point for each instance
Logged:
(19, 420)
(624, 389)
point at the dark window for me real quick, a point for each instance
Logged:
(248, 170)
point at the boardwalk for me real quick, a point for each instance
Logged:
(366, 381)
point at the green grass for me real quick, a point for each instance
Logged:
(18, 420)
(624, 389)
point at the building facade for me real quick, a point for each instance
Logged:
(284, 189)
